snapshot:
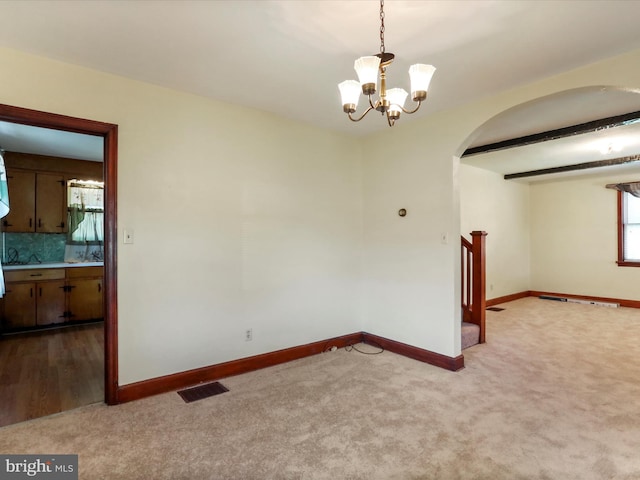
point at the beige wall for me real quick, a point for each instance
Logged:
(245, 220)
(500, 208)
(241, 219)
(411, 280)
(574, 239)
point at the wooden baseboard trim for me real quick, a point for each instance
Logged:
(508, 298)
(177, 381)
(623, 302)
(450, 363)
(535, 293)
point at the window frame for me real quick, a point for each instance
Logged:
(621, 261)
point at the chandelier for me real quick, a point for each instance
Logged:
(389, 102)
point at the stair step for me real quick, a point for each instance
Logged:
(470, 334)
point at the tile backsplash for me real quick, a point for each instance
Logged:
(31, 247)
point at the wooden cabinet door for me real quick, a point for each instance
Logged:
(22, 202)
(85, 299)
(50, 302)
(50, 203)
(20, 305)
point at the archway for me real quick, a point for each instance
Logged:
(558, 135)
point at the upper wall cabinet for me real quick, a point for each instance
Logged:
(37, 202)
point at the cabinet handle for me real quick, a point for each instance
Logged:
(7, 224)
(40, 291)
(35, 275)
(39, 223)
(31, 222)
(61, 225)
(31, 292)
(99, 288)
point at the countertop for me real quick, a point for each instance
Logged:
(52, 265)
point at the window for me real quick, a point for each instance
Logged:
(85, 240)
(628, 229)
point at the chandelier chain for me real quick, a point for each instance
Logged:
(381, 26)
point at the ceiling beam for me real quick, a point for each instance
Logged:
(592, 126)
(574, 167)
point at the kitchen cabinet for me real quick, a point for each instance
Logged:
(49, 296)
(33, 298)
(22, 195)
(19, 304)
(38, 202)
(85, 293)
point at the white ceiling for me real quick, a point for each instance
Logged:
(287, 56)
(43, 141)
(564, 109)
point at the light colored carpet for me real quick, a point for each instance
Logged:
(470, 335)
(554, 394)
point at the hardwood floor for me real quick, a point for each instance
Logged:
(50, 371)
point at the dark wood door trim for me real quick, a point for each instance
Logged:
(109, 132)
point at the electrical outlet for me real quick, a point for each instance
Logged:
(248, 335)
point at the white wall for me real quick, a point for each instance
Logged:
(241, 219)
(574, 239)
(501, 208)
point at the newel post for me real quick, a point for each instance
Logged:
(479, 300)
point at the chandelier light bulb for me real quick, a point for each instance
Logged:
(396, 97)
(350, 93)
(420, 75)
(367, 70)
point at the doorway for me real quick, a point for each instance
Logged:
(109, 134)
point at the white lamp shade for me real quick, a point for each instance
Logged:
(350, 92)
(396, 97)
(367, 69)
(420, 75)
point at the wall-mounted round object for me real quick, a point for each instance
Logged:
(402, 212)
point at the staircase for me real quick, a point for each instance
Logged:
(470, 335)
(473, 289)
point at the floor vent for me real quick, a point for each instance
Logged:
(202, 391)
(495, 309)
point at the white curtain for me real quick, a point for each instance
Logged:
(86, 221)
(4, 209)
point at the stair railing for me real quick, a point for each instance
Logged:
(473, 276)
